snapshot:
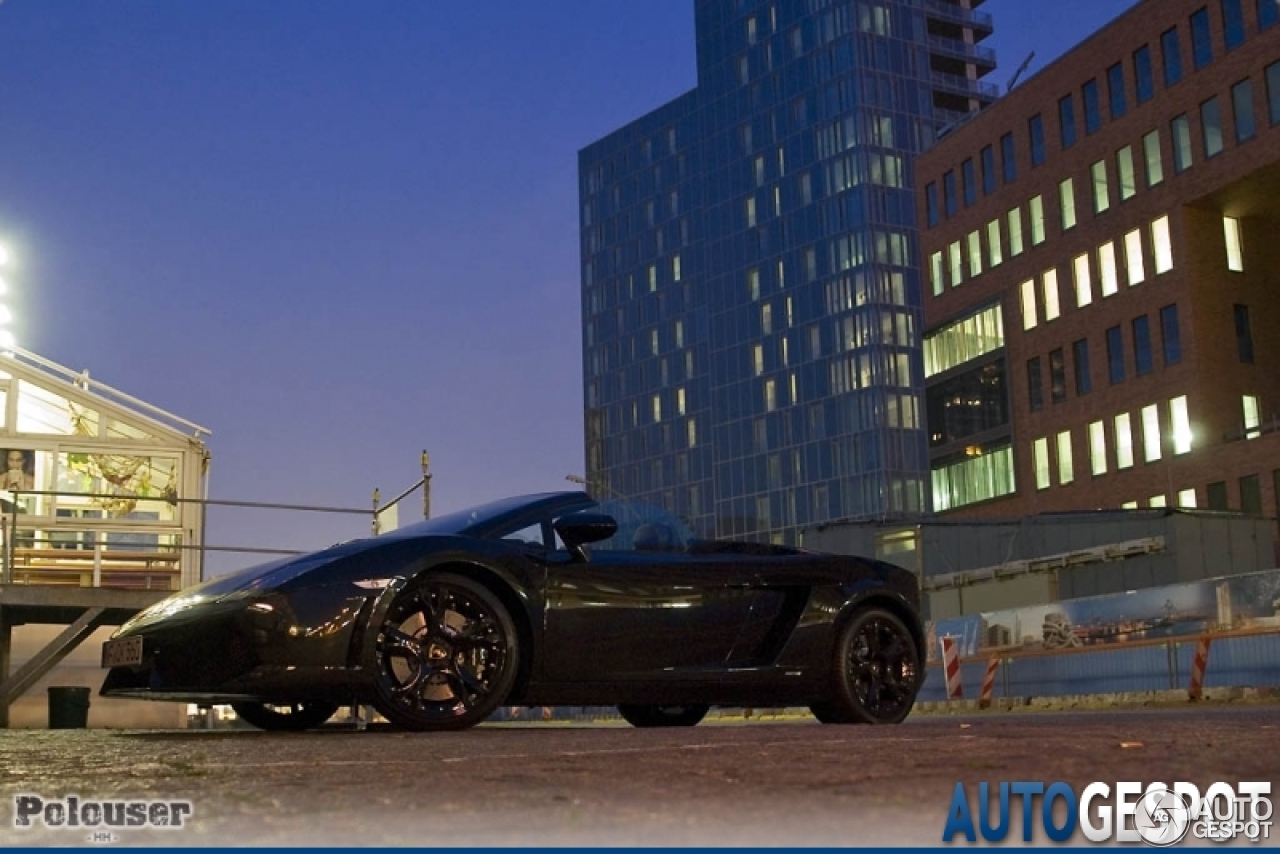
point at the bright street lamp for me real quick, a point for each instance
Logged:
(590, 486)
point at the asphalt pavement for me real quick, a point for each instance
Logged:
(785, 782)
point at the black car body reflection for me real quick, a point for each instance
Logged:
(548, 599)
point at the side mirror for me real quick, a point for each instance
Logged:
(578, 529)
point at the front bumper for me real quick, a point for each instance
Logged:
(275, 647)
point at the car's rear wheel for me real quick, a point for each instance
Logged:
(876, 671)
(651, 716)
(292, 717)
(827, 713)
(447, 653)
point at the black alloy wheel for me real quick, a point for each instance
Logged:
(447, 654)
(651, 716)
(289, 717)
(877, 671)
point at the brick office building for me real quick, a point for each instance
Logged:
(1102, 247)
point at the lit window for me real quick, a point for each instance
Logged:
(1084, 287)
(770, 395)
(1158, 501)
(1040, 453)
(975, 254)
(1180, 423)
(675, 268)
(1051, 305)
(1107, 274)
(1029, 318)
(691, 433)
(1097, 448)
(1036, 207)
(1015, 232)
(1124, 168)
(1180, 127)
(1252, 417)
(956, 262)
(1187, 498)
(751, 212)
(1129, 505)
(753, 283)
(1067, 196)
(757, 358)
(995, 256)
(1235, 246)
(1151, 449)
(1151, 151)
(1133, 257)
(1161, 245)
(657, 407)
(1066, 473)
(680, 404)
(1124, 441)
(1101, 193)
(936, 275)
(653, 277)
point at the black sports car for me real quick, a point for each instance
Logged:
(541, 600)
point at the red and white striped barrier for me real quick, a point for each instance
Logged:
(1196, 689)
(951, 667)
(988, 683)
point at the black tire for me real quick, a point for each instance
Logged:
(651, 716)
(876, 671)
(828, 714)
(292, 717)
(446, 655)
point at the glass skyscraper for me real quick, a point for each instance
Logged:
(751, 295)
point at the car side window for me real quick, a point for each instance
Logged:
(530, 535)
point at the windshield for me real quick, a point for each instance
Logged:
(485, 519)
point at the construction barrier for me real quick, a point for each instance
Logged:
(1241, 657)
(951, 666)
(988, 682)
(1196, 689)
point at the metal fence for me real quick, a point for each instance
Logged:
(1250, 659)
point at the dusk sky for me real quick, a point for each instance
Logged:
(339, 232)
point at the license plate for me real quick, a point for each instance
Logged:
(122, 653)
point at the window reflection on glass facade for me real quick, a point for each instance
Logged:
(806, 183)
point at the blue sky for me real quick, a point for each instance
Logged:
(339, 232)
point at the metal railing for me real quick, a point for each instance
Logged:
(80, 550)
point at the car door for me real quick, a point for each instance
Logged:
(645, 616)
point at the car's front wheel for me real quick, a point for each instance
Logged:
(651, 716)
(876, 671)
(292, 717)
(447, 653)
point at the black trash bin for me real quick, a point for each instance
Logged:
(68, 707)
